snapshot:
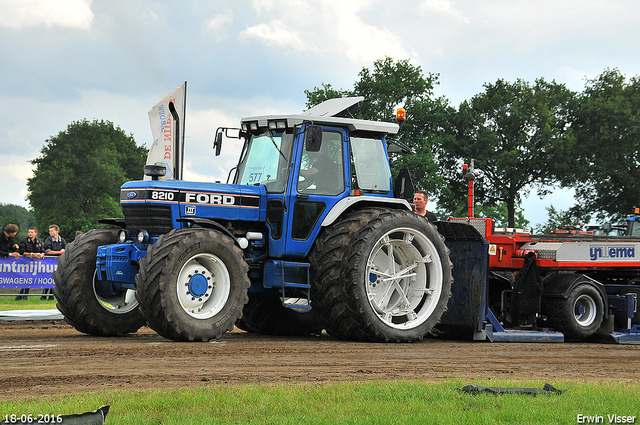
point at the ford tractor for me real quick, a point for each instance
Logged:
(309, 233)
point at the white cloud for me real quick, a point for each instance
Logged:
(443, 7)
(277, 34)
(218, 23)
(15, 171)
(18, 14)
(327, 26)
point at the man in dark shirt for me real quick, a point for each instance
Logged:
(7, 244)
(420, 200)
(31, 246)
(53, 245)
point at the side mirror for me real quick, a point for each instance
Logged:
(217, 143)
(231, 133)
(155, 171)
(313, 138)
(606, 227)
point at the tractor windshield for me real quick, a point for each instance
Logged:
(265, 160)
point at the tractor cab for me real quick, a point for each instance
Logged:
(310, 165)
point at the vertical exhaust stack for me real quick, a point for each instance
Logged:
(180, 148)
(470, 175)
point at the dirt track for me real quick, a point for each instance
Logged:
(45, 358)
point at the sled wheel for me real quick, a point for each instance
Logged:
(580, 315)
(84, 305)
(192, 284)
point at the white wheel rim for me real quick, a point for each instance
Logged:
(584, 310)
(122, 303)
(403, 278)
(203, 286)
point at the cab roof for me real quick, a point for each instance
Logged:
(327, 113)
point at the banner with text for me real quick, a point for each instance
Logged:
(26, 272)
(164, 147)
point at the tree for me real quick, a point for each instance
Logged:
(20, 216)
(77, 178)
(392, 84)
(518, 136)
(607, 127)
(574, 217)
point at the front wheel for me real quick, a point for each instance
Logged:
(85, 303)
(192, 285)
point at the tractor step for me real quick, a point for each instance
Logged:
(293, 278)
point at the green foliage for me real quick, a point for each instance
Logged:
(517, 133)
(523, 137)
(392, 84)
(78, 176)
(607, 127)
(557, 219)
(500, 215)
(326, 92)
(18, 215)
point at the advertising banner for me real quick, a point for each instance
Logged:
(166, 148)
(26, 272)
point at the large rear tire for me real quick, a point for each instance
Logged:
(380, 275)
(79, 298)
(328, 299)
(192, 284)
(578, 316)
(397, 277)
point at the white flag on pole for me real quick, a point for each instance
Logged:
(165, 148)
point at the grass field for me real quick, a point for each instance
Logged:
(349, 403)
(8, 302)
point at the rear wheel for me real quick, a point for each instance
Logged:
(397, 277)
(86, 304)
(579, 315)
(192, 285)
(328, 299)
(381, 275)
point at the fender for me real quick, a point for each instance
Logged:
(356, 202)
(562, 285)
(209, 224)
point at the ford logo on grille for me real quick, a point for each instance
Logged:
(131, 195)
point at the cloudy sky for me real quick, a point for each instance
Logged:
(66, 60)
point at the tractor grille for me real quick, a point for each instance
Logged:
(155, 219)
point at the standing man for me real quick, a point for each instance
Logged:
(420, 200)
(53, 245)
(31, 246)
(7, 244)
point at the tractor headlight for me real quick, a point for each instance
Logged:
(142, 236)
(123, 235)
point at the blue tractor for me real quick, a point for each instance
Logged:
(309, 233)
